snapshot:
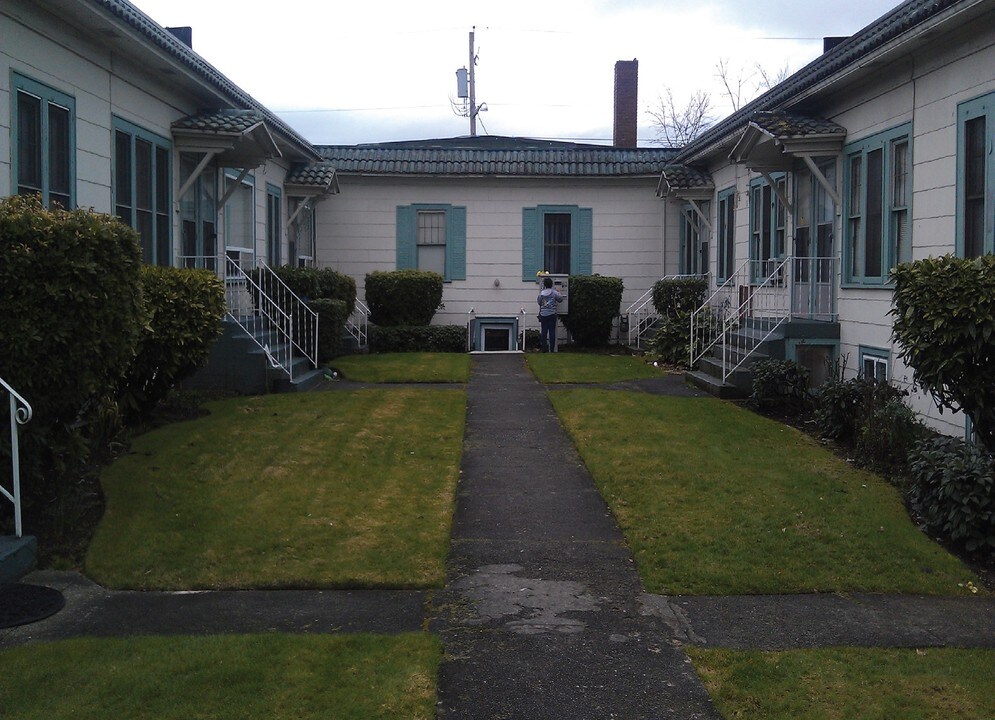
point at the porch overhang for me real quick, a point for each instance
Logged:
(773, 140)
(234, 138)
(310, 183)
(685, 183)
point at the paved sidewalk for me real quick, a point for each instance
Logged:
(543, 615)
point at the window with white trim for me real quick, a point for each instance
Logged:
(300, 240)
(877, 198)
(240, 221)
(874, 364)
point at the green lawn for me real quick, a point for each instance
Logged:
(714, 499)
(405, 367)
(565, 367)
(329, 489)
(256, 677)
(850, 683)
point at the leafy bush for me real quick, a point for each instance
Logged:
(954, 491)
(679, 297)
(842, 407)
(332, 316)
(779, 382)
(73, 314)
(672, 340)
(403, 297)
(594, 304)
(184, 307)
(418, 338)
(315, 283)
(887, 436)
(945, 326)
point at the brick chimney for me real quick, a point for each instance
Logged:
(626, 95)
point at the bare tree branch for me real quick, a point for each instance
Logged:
(677, 126)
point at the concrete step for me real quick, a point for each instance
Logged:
(713, 385)
(18, 557)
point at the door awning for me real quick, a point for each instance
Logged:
(773, 140)
(685, 182)
(311, 180)
(234, 138)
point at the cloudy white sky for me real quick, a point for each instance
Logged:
(374, 71)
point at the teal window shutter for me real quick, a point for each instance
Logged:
(581, 244)
(456, 244)
(531, 244)
(407, 255)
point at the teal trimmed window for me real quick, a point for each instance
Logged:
(976, 177)
(274, 200)
(432, 237)
(725, 236)
(142, 186)
(875, 363)
(43, 139)
(877, 196)
(694, 240)
(557, 239)
(767, 218)
(301, 235)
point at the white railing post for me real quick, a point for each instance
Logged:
(358, 324)
(20, 414)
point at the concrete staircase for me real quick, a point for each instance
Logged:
(748, 344)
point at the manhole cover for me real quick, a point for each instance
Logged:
(21, 604)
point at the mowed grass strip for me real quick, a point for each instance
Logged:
(241, 677)
(850, 683)
(333, 489)
(553, 368)
(714, 499)
(405, 367)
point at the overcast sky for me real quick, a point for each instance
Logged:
(374, 71)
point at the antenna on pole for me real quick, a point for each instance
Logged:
(466, 90)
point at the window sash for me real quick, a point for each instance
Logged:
(45, 148)
(556, 243)
(726, 248)
(142, 188)
(877, 202)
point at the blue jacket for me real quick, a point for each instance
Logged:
(548, 300)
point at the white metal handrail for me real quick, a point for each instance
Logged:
(761, 310)
(20, 414)
(358, 323)
(706, 320)
(285, 323)
(642, 313)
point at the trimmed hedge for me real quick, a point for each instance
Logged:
(594, 305)
(679, 297)
(418, 338)
(316, 283)
(332, 316)
(403, 297)
(185, 307)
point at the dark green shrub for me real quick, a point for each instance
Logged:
(184, 307)
(73, 314)
(334, 285)
(779, 383)
(418, 338)
(887, 436)
(594, 304)
(315, 283)
(672, 340)
(945, 326)
(954, 491)
(332, 316)
(679, 297)
(403, 297)
(842, 407)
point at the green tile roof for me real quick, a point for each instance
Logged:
(495, 156)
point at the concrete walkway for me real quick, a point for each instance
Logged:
(543, 614)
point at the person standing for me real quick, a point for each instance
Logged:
(549, 298)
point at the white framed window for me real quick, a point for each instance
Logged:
(875, 364)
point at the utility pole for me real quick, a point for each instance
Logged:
(473, 88)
